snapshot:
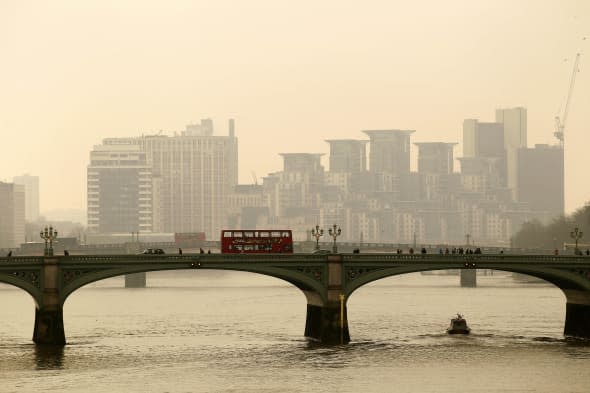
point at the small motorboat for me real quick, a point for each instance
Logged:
(458, 325)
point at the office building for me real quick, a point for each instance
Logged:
(31, 184)
(197, 172)
(119, 181)
(163, 183)
(12, 215)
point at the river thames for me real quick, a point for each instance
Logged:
(205, 331)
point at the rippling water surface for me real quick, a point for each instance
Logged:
(237, 332)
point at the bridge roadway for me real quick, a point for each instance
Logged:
(327, 280)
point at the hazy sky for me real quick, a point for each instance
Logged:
(292, 74)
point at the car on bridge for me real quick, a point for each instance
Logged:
(153, 251)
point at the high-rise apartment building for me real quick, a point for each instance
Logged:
(389, 162)
(481, 139)
(348, 155)
(515, 137)
(299, 184)
(435, 168)
(390, 151)
(12, 215)
(541, 180)
(31, 184)
(435, 157)
(119, 181)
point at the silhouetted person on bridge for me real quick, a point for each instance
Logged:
(201, 250)
(66, 253)
(9, 254)
(423, 250)
(356, 251)
(179, 251)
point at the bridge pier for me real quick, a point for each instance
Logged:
(49, 322)
(49, 327)
(577, 313)
(135, 280)
(326, 319)
(577, 320)
(468, 278)
(323, 324)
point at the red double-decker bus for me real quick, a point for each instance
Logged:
(256, 241)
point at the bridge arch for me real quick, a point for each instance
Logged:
(565, 280)
(26, 287)
(24, 273)
(311, 281)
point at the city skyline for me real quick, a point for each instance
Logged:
(292, 78)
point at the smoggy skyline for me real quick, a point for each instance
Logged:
(291, 74)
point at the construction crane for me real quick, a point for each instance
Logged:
(560, 121)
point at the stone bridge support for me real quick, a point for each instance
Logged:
(327, 321)
(49, 323)
(577, 313)
(134, 280)
(468, 278)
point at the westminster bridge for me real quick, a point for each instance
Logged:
(327, 280)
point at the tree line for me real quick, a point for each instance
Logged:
(534, 234)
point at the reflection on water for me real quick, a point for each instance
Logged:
(49, 357)
(246, 336)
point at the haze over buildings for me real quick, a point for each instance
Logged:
(292, 74)
(188, 183)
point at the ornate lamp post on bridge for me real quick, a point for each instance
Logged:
(49, 235)
(576, 234)
(335, 231)
(317, 233)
